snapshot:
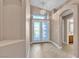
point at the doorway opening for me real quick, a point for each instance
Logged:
(40, 28)
(68, 29)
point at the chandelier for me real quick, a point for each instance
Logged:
(43, 11)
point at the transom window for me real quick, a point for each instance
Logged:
(40, 17)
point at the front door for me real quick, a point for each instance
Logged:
(40, 31)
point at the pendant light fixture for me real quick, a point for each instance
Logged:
(43, 11)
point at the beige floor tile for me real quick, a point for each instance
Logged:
(47, 50)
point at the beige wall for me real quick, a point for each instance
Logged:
(37, 9)
(73, 5)
(11, 20)
(12, 49)
(12, 27)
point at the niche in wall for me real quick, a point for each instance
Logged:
(12, 16)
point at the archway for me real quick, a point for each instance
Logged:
(68, 31)
(67, 27)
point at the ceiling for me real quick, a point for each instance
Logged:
(48, 4)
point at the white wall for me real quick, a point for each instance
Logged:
(27, 27)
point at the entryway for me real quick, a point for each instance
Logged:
(68, 29)
(47, 50)
(40, 28)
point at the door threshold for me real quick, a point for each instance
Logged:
(40, 42)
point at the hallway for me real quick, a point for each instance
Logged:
(47, 50)
(39, 28)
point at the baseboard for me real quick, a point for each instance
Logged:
(40, 42)
(56, 45)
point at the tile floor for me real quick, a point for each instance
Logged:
(47, 50)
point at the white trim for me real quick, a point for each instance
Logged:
(65, 42)
(59, 47)
(28, 53)
(56, 45)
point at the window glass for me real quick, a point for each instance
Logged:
(71, 26)
(40, 17)
(45, 30)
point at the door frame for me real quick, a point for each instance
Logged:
(41, 30)
(65, 29)
(64, 34)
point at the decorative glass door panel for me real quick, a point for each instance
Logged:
(40, 31)
(36, 31)
(40, 28)
(45, 29)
